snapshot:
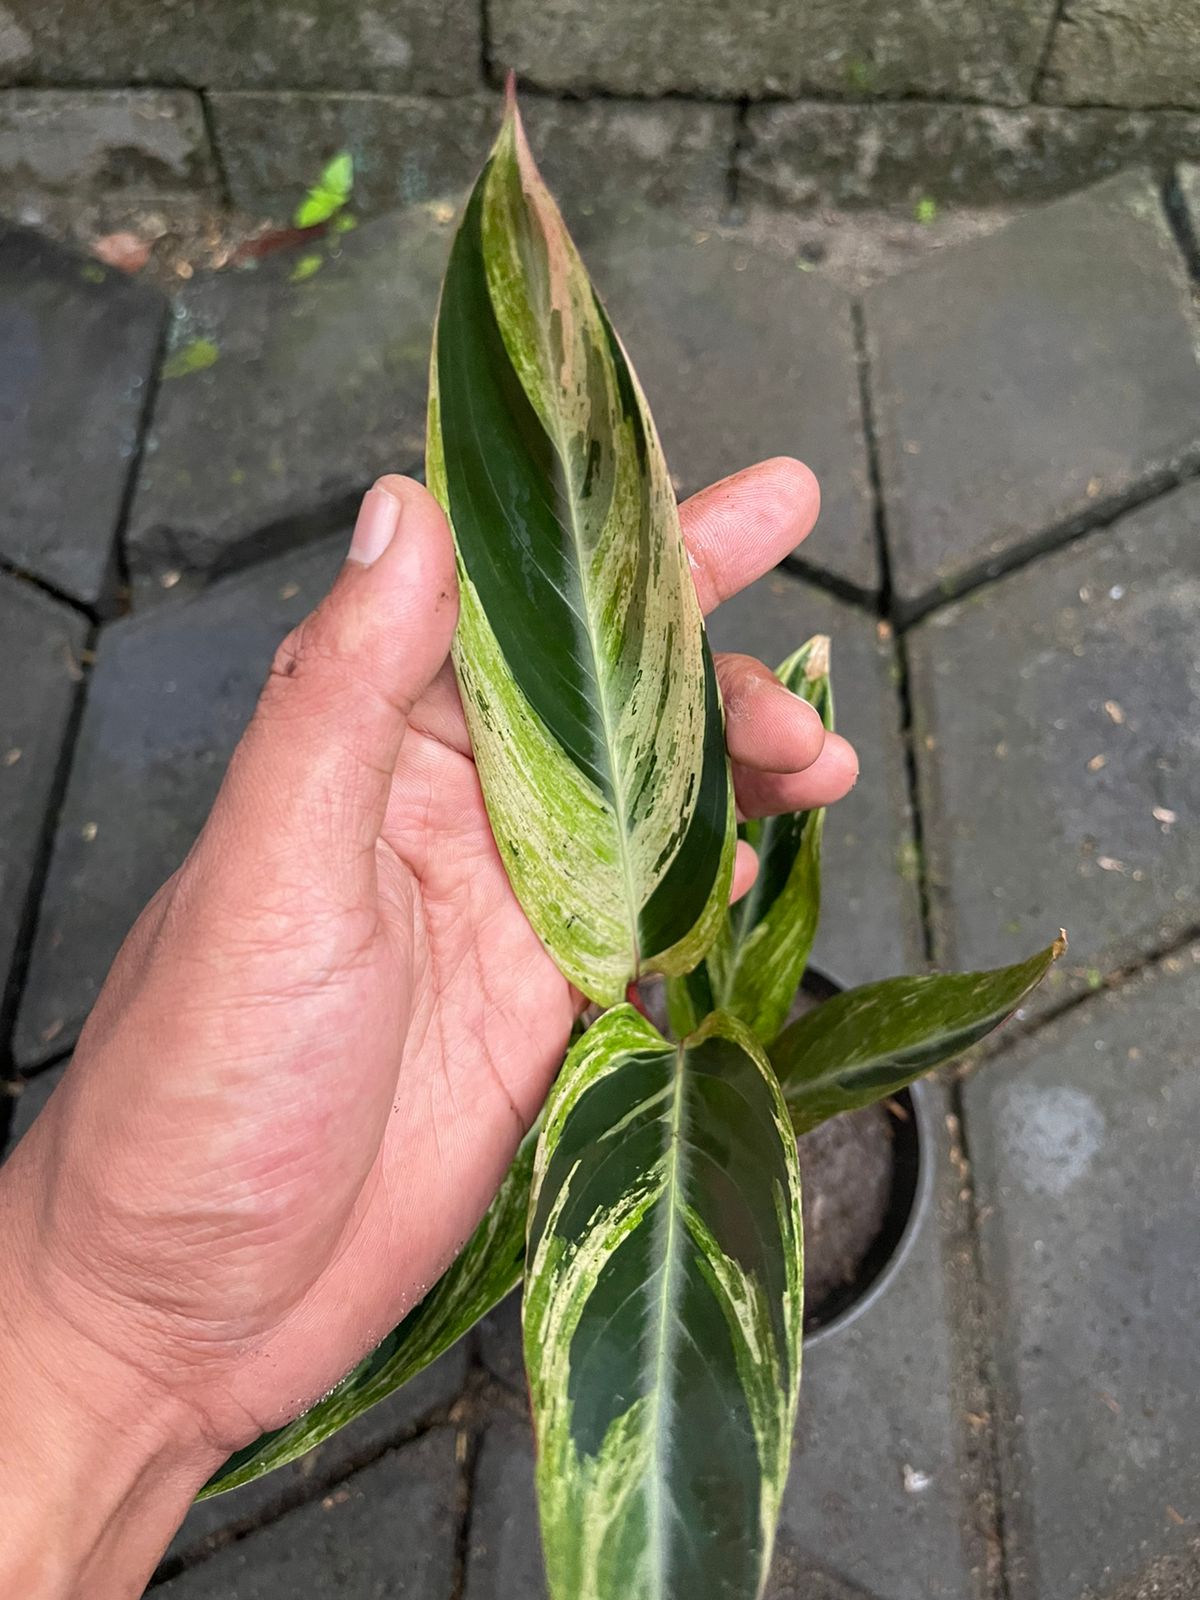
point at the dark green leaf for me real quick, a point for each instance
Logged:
(663, 1313)
(489, 1267)
(586, 678)
(866, 1044)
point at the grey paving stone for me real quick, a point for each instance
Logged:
(77, 348)
(706, 47)
(388, 1531)
(818, 153)
(499, 1339)
(593, 153)
(1029, 378)
(39, 662)
(877, 1399)
(870, 918)
(1122, 53)
(742, 356)
(169, 696)
(401, 44)
(1058, 724)
(211, 1524)
(145, 144)
(29, 1099)
(1084, 1150)
(286, 390)
(504, 1554)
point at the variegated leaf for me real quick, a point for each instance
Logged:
(758, 960)
(663, 1313)
(490, 1265)
(587, 681)
(867, 1043)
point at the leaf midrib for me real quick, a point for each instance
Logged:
(667, 1321)
(614, 771)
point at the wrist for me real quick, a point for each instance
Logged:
(99, 1463)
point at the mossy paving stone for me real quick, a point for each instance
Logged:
(408, 148)
(77, 348)
(40, 644)
(386, 1533)
(1029, 378)
(1058, 743)
(286, 390)
(1087, 1167)
(171, 691)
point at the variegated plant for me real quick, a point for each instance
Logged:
(655, 1215)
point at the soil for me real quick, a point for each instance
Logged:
(846, 1172)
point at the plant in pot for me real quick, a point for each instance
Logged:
(653, 1214)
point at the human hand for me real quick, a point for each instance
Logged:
(317, 1051)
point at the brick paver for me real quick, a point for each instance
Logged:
(1085, 1154)
(40, 645)
(1028, 378)
(286, 390)
(1058, 721)
(78, 343)
(171, 692)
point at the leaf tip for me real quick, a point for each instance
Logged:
(817, 665)
(1059, 947)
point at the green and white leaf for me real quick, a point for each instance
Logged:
(586, 677)
(868, 1043)
(756, 965)
(663, 1305)
(490, 1266)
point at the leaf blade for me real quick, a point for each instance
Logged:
(870, 1042)
(759, 957)
(586, 677)
(663, 1312)
(488, 1267)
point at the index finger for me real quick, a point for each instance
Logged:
(745, 525)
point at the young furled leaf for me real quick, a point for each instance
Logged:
(586, 677)
(663, 1313)
(491, 1264)
(866, 1044)
(756, 965)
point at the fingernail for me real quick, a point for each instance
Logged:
(378, 519)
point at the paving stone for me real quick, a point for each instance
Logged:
(966, 49)
(1062, 783)
(40, 643)
(389, 1531)
(877, 1399)
(1084, 1151)
(504, 1555)
(29, 1096)
(211, 1524)
(870, 918)
(1029, 378)
(169, 696)
(285, 391)
(77, 347)
(593, 153)
(1124, 53)
(742, 356)
(821, 153)
(499, 1336)
(144, 144)
(392, 44)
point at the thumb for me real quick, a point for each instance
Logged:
(315, 765)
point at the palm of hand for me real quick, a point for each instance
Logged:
(319, 1048)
